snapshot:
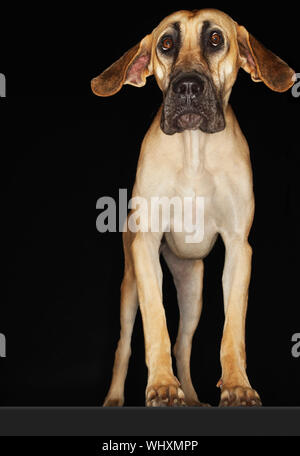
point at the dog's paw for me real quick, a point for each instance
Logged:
(239, 396)
(164, 396)
(113, 402)
(195, 403)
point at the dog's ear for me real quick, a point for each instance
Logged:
(262, 64)
(132, 68)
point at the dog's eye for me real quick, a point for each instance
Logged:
(215, 39)
(167, 44)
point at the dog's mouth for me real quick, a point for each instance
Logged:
(189, 121)
(191, 103)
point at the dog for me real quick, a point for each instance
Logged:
(194, 147)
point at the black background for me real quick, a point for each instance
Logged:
(62, 148)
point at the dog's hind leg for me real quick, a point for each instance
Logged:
(129, 305)
(188, 279)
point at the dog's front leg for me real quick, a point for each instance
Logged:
(163, 387)
(236, 389)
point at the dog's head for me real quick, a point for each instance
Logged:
(195, 57)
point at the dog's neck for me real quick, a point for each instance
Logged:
(196, 145)
(194, 142)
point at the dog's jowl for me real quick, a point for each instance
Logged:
(194, 148)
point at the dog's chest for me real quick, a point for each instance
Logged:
(193, 230)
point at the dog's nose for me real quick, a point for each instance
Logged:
(188, 86)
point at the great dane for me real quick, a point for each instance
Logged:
(194, 147)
